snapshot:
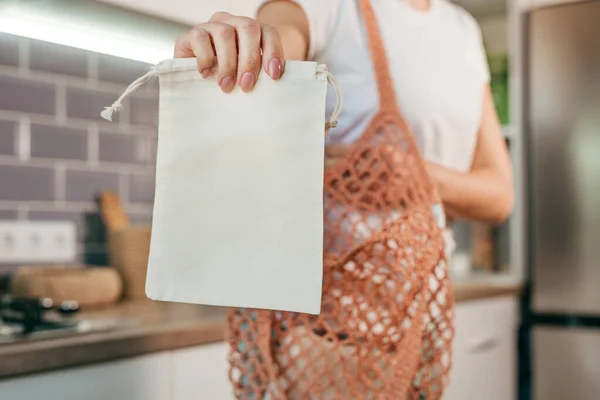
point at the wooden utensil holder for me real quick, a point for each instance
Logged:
(128, 251)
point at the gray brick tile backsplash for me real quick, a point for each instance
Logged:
(120, 70)
(54, 142)
(23, 183)
(85, 185)
(153, 150)
(78, 218)
(8, 215)
(144, 111)
(57, 59)
(19, 94)
(8, 137)
(9, 49)
(58, 142)
(140, 218)
(88, 103)
(122, 148)
(141, 188)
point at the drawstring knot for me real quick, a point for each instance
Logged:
(108, 112)
(117, 106)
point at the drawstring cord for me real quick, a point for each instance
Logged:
(117, 106)
(339, 98)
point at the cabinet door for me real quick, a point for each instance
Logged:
(484, 358)
(201, 373)
(140, 378)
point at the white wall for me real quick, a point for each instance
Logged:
(188, 11)
(495, 34)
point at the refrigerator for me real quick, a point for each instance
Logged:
(560, 348)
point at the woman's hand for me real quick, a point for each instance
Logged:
(233, 46)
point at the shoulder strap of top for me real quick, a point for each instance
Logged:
(385, 84)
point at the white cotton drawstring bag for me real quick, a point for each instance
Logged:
(238, 211)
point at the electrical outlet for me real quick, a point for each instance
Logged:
(37, 242)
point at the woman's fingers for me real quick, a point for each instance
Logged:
(249, 36)
(201, 45)
(224, 41)
(234, 44)
(272, 52)
(210, 42)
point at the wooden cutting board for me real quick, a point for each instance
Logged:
(90, 287)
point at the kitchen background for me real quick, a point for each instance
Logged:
(62, 61)
(57, 153)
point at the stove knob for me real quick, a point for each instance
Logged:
(68, 307)
(46, 303)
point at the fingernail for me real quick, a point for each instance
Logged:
(247, 81)
(227, 83)
(275, 68)
(205, 73)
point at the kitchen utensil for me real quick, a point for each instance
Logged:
(128, 246)
(112, 211)
(128, 251)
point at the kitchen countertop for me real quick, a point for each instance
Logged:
(477, 289)
(154, 326)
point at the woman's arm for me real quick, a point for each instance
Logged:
(485, 193)
(291, 23)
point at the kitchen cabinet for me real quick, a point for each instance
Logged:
(140, 378)
(201, 373)
(192, 373)
(484, 367)
(484, 351)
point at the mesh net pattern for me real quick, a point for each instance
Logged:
(385, 326)
(386, 321)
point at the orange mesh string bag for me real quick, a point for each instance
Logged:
(386, 321)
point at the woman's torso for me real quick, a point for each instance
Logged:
(437, 64)
(438, 69)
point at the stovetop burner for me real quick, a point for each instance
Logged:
(30, 315)
(31, 319)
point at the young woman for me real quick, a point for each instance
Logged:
(420, 64)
